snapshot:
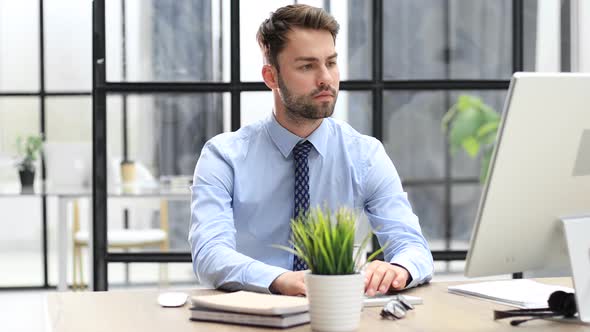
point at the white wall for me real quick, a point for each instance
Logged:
(548, 49)
(141, 136)
(581, 35)
(584, 37)
(548, 55)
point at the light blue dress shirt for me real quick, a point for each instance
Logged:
(242, 201)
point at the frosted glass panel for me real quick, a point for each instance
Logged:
(355, 108)
(20, 242)
(457, 39)
(19, 45)
(411, 132)
(462, 164)
(165, 132)
(68, 47)
(464, 202)
(68, 119)
(181, 40)
(19, 116)
(428, 204)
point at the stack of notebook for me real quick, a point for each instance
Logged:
(248, 308)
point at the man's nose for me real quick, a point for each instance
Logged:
(325, 77)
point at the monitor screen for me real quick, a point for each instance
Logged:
(539, 173)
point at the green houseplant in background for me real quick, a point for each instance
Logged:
(472, 125)
(28, 151)
(335, 285)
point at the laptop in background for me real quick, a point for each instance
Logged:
(68, 164)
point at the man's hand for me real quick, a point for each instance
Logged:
(289, 283)
(381, 276)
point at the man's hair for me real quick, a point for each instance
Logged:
(272, 34)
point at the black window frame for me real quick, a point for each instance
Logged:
(377, 85)
(42, 94)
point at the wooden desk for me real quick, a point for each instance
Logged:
(138, 311)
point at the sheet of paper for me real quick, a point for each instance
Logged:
(522, 293)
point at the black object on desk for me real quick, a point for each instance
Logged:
(561, 304)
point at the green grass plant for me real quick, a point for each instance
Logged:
(325, 241)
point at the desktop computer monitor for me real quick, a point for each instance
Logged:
(539, 175)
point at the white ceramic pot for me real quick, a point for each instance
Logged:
(335, 301)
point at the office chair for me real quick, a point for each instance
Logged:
(120, 239)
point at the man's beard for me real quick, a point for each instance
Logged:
(303, 107)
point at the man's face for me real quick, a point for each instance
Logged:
(308, 78)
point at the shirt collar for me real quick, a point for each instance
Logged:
(286, 140)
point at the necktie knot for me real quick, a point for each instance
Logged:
(301, 150)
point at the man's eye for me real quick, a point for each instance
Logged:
(306, 67)
(331, 63)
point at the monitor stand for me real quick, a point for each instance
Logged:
(577, 237)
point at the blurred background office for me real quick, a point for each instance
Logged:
(400, 74)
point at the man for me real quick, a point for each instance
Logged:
(247, 184)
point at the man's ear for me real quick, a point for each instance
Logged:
(270, 76)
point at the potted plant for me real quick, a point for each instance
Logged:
(472, 125)
(28, 150)
(335, 285)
